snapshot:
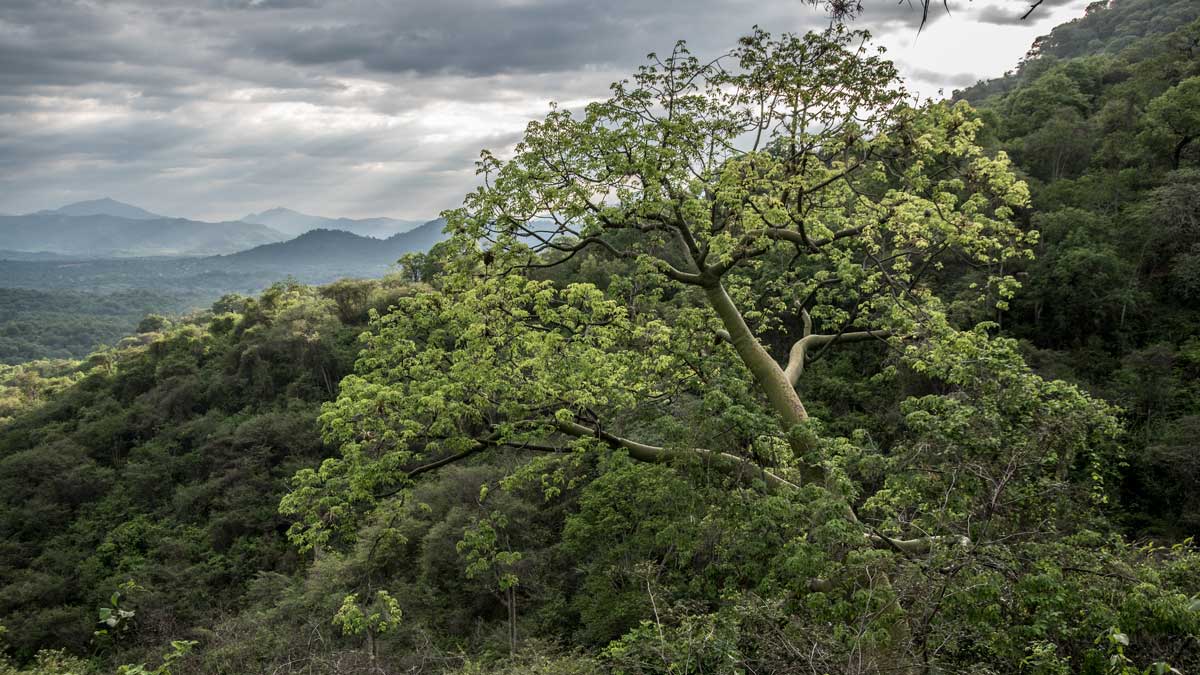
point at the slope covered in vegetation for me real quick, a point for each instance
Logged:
(763, 411)
(1113, 298)
(163, 461)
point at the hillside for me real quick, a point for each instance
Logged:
(339, 249)
(1137, 28)
(164, 461)
(1113, 295)
(61, 324)
(919, 396)
(30, 256)
(64, 324)
(104, 207)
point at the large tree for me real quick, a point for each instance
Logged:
(788, 186)
(741, 216)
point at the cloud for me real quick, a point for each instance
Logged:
(942, 79)
(1016, 13)
(215, 108)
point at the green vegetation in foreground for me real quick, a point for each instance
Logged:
(761, 412)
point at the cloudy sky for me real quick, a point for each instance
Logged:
(212, 109)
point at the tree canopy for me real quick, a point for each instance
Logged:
(749, 368)
(738, 218)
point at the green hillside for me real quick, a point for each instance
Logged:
(1113, 298)
(902, 389)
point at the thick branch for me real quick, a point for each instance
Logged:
(731, 465)
(741, 468)
(799, 351)
(919, 545)
(780, 391)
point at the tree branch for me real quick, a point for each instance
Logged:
(731, 465)
(735, 467)
(799, 350)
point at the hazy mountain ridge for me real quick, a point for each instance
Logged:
(107, 236)
(296, 223)
(339, 248)
(107, 228)
(40, 256)
(103, 207)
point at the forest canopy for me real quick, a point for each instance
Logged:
(757, 365)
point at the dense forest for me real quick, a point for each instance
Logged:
(751, 368)
(62, 324)
(1102, 125)
(55, 306)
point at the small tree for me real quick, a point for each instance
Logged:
(487, 552)
(381, 614)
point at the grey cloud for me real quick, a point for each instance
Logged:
(940, 78)
(1011, 13)
(478, 37)
(215, 108)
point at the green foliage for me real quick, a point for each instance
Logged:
(711, 524)
(380, 616)
(163, 462)
(65, 324)
(47, 662)
(1110, 300)
(778, 396)
(1175, 115)
(179, 650)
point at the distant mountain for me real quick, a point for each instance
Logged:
(296, 223)
(99, 236)
(31, 255)
(103, 207)
(337, 249)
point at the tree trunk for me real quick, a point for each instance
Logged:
(512, 621)
(1178, 154)
(767, 373)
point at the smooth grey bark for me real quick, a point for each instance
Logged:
(780, 391)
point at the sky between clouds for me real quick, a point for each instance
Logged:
(212, 109)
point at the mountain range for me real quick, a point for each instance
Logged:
(106, 228)
(296, 223)
(107, 236)
(340, 249)
(104, 207)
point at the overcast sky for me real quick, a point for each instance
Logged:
(212, 109)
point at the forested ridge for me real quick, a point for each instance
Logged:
(900, 388)
(1102, 118)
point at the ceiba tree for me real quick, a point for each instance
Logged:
(753, 212)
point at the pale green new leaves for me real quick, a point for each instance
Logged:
(802, 175)
(377, 617)
(487, 362)
(805, 166)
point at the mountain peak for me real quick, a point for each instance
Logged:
(105, 206)
(277, 211)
